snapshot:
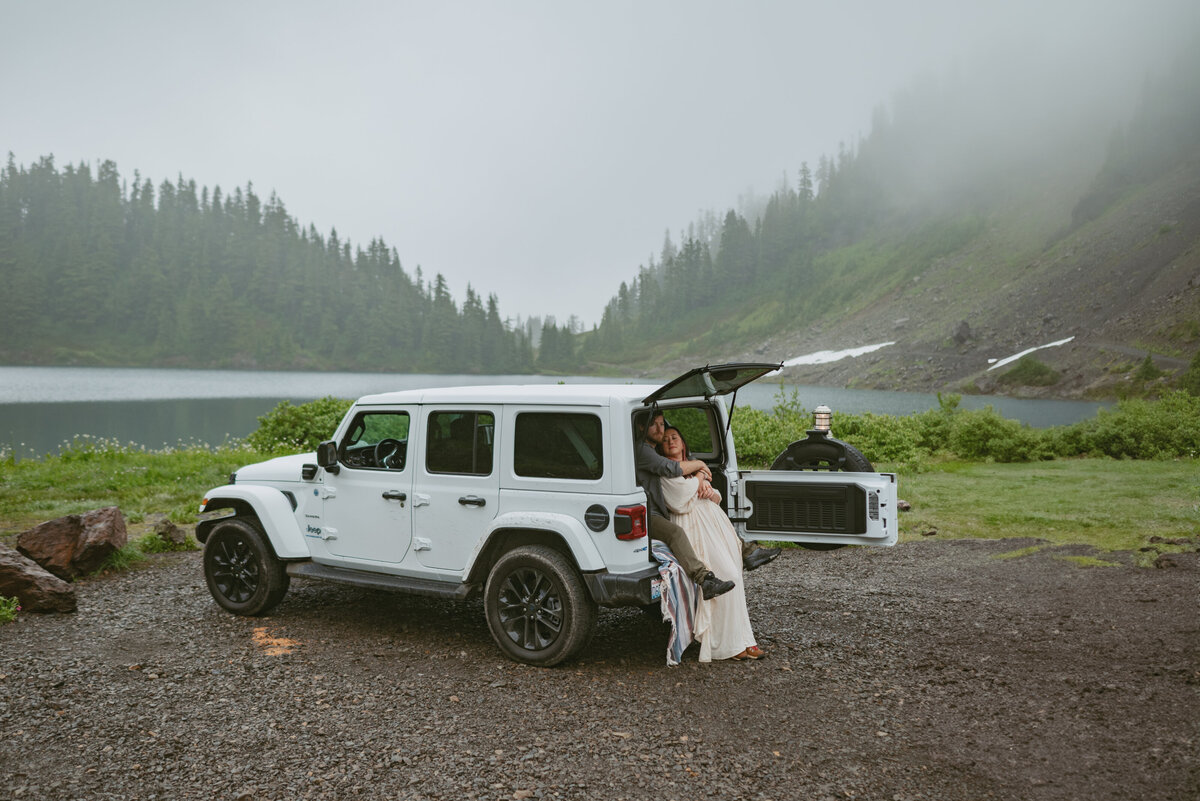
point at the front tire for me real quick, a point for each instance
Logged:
(537, 608)
(242, 572)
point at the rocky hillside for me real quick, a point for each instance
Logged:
(1121, 286)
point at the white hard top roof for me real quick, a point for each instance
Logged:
(544, 394)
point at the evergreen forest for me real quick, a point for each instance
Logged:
(101, 271)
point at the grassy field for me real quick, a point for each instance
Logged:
(168, 483)
(1105, 503)
(1109, 504)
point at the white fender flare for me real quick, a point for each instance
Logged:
(572, 531)
(273, 510)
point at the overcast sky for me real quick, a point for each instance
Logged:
(537, 150)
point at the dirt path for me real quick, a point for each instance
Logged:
(927, 671)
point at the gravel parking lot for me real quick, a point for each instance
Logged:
(932, 670)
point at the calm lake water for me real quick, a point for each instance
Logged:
(41, 408)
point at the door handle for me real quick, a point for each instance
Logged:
(472, 500)
(395, 495)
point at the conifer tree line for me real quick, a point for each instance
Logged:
(103, 272)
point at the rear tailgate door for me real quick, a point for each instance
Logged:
(831, 508)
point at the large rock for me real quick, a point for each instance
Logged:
(962, 333)
(74, 545)
(34, 588)
(170, 533)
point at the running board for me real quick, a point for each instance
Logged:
(380, 581)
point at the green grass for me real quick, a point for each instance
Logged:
(1112, 505)
(1109, 504)
(141, 483)
(1088, 561)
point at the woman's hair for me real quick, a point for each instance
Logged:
(687, 452)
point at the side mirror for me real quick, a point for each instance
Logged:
(327, 456)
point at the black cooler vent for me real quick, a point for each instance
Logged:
(825, 509)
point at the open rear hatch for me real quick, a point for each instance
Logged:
(710, 380)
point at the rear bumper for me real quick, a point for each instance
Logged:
(623, 589)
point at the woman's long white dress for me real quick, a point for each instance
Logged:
(722, 623)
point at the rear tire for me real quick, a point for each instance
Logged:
(537, 608)
(809, 454)
(242, 572)
(822, 454)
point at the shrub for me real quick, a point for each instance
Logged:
(151, 542)
(1189, 379)
(8, 609)
(984, 434)
(761, 436)
(1146, 370)
(881, 437)
(1029, 372)
(298, 428)
(1137, 429)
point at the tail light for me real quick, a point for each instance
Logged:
(629, 522)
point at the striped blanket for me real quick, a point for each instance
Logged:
(679, 597)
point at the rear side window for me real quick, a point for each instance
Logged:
(559, 445)
(460, 442)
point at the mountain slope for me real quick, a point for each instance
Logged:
(1121, 285)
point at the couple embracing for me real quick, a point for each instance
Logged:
(685, 515)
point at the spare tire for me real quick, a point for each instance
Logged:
(820, 452)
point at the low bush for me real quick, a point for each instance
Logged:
(1137, 429)
(762, 436)
(983, 435)
(288, 428)
(1147, 370)
(1168, 428)
(1189, 379)
(1029, 372)
(151, 542)
(8, 609)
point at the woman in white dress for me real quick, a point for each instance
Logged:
(722, 623)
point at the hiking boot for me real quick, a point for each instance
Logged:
(711, 586)
(759, 557)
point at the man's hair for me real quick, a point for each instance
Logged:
(644, 419)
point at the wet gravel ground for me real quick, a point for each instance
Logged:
(926, 671)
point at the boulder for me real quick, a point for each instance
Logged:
(962, 333)
(170, 533)
(33, 587)
(74, 545)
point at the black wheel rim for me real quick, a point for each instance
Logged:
(530, 609)
(234, 569)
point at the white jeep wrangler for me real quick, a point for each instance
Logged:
(524, 493)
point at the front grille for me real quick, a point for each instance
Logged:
(836, 509)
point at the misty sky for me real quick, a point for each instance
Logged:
(537, 150)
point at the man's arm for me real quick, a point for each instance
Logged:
(650, 461)
(691, 467)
